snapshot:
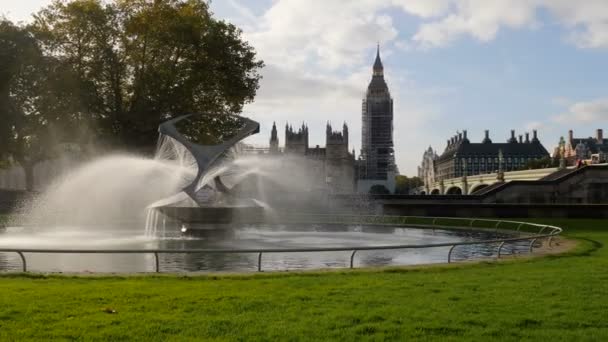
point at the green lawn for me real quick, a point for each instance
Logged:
(550, 298)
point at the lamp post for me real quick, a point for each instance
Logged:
(501, 175)
(465, 185)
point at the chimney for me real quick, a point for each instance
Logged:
(521, 139)
(570, 135)
(535, 136)
(512, 139)
(527, 137)
(449, 142)
(487, 140)
(599, 135)
(464, 133)
(459, 136)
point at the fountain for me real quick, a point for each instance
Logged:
(206, 204)
(199, 187)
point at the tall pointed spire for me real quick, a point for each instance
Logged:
(274, 139)
(273, 132)
(378, 68)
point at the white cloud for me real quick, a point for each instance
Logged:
(587, 20)
(585, 112)
(327, 35)
(21, 11)
(478, 18)
(530, 126)
(319, 55)
(424, 8)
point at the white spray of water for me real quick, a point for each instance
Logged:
(127, 188)
(112, 189)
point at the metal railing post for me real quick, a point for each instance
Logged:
(260, 262)
(450, 253)
(24, 263)
(496, 226)
(550, 240)
(352, 258)
(518, 227)
(531, 245)
(500, 248)
(471, 223)
(156, 263)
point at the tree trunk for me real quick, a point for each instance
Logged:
(28, 168)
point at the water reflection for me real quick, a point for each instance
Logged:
(246, 236)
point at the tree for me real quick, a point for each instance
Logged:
(139, 63)
(379, 189)
(96, 71)
(541, 163)
(404, 184)
(34, 95)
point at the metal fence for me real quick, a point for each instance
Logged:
(520, 231)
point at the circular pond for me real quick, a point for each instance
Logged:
(292, 236)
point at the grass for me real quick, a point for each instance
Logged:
(552, 298)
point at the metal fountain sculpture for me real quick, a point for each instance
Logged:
(208, 138)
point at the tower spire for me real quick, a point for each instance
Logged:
(274, 139)
(378, 67)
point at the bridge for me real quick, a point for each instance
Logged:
(467, 185)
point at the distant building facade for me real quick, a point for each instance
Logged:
(573, 149)
(464, 158)
(331, 167)
(376, 165)
(426, 170)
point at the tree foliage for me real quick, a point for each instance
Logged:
(92, 70)
(404, 184)
(34, 95)
(541, 163)
(140, 62)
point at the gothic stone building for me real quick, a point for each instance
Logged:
(573, 149)
(332, 166)
(426, 170)
(462, 157)
(377, 160)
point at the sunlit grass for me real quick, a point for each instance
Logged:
(550, 298)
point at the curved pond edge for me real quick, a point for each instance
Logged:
(537, 234)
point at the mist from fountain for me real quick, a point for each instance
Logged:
(111, 189)
(123, 188)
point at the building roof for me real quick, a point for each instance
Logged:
(467, 149)
(592, 144)
(377, 86)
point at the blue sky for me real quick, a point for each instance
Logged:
(450, 65)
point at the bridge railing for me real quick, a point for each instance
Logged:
(522, 231)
